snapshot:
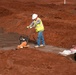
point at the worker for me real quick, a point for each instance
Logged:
(23, 42)
(37, 23)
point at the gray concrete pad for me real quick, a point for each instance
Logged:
(9, 41)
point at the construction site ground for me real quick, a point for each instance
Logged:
(59, 20)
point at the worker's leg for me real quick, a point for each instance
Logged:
(42, 39)
(38, 38)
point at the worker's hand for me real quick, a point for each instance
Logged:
(27, 26)
(30, 27)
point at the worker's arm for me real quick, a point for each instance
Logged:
(37, 22)
(31, 25)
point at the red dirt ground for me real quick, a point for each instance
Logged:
(60, 30)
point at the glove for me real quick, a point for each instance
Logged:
(30, 27)
(27, 26)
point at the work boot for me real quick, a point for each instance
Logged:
(42, 45)
(37, 46)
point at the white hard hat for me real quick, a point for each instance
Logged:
(34, 16)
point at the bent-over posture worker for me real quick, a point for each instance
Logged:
(37, 23)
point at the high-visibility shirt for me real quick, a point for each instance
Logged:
(39, 25)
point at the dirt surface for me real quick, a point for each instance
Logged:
(60, 31)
